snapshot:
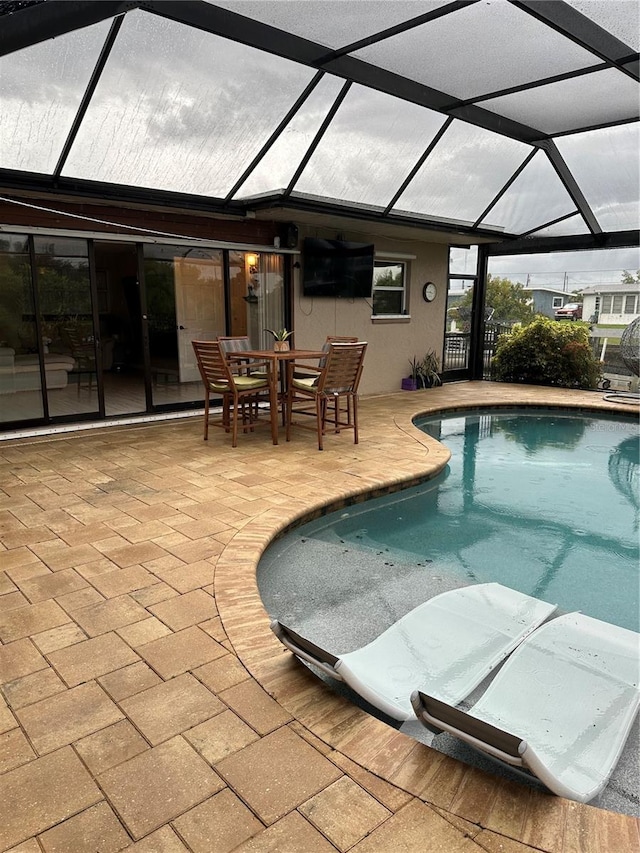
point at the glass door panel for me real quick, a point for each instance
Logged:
(199, 308)
(66, 324)
(457, 336)
(20, 376)
(185, 301)
(458, 318)
(256, 296)
(121, 352)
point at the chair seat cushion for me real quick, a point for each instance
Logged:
(309, 383)
(242, 383)
(306, 383)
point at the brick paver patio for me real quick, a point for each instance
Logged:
(145, 703)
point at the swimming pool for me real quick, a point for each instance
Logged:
(546, 502)
(543, 501)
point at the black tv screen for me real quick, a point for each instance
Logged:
(337, 268)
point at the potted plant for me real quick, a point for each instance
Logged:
(429, 370)
(410, 383)
(280, 339)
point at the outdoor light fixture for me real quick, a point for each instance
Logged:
(252, 262)
(254, 283)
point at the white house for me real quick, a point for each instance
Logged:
(611, 304)
(610, 308)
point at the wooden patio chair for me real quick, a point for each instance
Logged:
(331, 339)
(235, 345)
(241, 393)
(330, 392)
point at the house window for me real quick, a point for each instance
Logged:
(557, 301)
(617, 304)
(389, 287)
(630, 304)
(606, 304)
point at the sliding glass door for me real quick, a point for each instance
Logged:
(104, 328)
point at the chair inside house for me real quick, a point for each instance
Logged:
(242, 392)
(328, 392)
(83, 350)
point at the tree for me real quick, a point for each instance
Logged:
(505, 302)
(388, 278)
(630, 278)
(16, 301)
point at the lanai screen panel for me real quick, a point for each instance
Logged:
(333, 23)
(606, 166)
(478, 49)
(277, 167)
(372, 143)
(446, 103)
(180, 109)
(570, 226)
(463, 173)
(605, 96)
(535, 198)
(619, 17)
(40, 92)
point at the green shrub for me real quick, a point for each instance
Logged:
(547, 352)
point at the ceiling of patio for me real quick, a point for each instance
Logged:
(493, 119)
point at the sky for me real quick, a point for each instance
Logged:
(566, 270)
(578, 269)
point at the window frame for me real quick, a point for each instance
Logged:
(387, 261)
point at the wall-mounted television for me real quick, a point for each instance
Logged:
(337, 268)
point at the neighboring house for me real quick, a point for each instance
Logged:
(612, 304)
(610, 308)
(547, 300)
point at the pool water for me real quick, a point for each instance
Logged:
(545, 502)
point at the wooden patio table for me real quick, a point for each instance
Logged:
(276, 359)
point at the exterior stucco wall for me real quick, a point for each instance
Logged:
(391, 342)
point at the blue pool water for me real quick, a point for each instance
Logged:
(545, 502)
